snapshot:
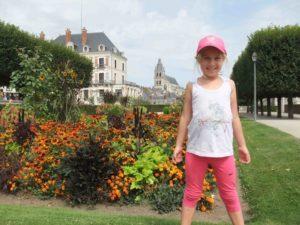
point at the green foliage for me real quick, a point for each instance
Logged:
(9, 164)
(166, 110)
(176, 107)
(88, 109)
(124, 100)
(22, 130)
(142, 169)
(12, 38)
(109, 97)
(85, 173)
(138, 101)
(166, 199)
(278, 63)
(12, 147)
(115, 115)
(154, 108)
(115, 110)
(49, 94)
(7, 112)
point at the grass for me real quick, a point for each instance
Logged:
(29, 215)
(270, 183)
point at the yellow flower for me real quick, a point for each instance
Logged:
(42, 77)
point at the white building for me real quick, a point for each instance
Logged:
(110, 66)
(7, 93)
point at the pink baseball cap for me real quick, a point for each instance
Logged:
(211, 40)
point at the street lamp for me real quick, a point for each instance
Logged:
(254, 59)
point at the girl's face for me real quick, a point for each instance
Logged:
(211, 61)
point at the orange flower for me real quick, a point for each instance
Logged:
(171, 183)
(203, 208)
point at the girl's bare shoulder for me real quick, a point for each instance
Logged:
(189, 86)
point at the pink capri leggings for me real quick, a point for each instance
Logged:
(225, 173)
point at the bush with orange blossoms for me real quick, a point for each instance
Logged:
(54, 142)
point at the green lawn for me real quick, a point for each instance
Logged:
(271, 182)
(271, 186)
(17, 215)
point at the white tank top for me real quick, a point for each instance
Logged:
(210, 130)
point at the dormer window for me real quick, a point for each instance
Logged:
(101, 47)
(70, 45)
(86, 48)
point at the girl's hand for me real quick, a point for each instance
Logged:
(244, 155)
(177, 155)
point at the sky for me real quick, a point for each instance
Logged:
(146, 30)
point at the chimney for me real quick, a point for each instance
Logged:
(42, 36)
(83, 36)
(68, 35)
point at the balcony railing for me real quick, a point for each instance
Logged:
(100, 66)
(103, 83)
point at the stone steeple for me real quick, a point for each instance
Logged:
(159, 69)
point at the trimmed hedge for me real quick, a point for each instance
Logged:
(278, 64)
(155, 108)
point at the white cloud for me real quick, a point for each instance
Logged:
(280, 13)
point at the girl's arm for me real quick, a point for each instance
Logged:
(237, 126)
(185, 119)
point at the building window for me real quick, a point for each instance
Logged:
(85, 48)
(101, 78)
(101, 62)
(115, 63)
(123, 66)
(165, 87)
(101, 93)
(118, 92)
(101, 48)
(115, 78)
(85, 95)
(123, 79)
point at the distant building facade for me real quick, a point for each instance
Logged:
(109, 66)
(165, 90)
(164, 82)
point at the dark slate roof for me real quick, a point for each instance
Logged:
(171, 79)
(93, 41)
(131, 83)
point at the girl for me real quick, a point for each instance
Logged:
(210, 118)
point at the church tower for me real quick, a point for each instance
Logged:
(159, 74)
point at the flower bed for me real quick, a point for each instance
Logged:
(100, 159)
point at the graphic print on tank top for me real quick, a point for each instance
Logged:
(218, 122)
